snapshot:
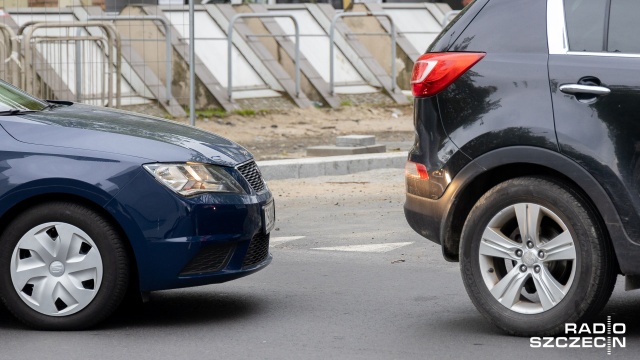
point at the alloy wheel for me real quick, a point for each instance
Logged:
(527, 258)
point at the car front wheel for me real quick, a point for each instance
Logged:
(64, 267)
(534, 257)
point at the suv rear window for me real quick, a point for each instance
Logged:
(585, 24)
(603, 25)
(624, 26)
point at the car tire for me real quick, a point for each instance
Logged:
(72, 262)
(532, 284)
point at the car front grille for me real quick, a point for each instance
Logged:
(258, 250)
(212, 258)
(252, 174)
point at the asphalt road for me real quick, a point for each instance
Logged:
(349, 280)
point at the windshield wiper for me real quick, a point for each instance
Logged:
(15, 112)
(51, 105)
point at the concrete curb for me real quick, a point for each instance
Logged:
(330, 165)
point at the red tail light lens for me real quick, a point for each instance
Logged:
(433, 72)
(416, 170)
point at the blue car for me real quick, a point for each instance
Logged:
(96, 203)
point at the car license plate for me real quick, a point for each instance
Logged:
(269, 217)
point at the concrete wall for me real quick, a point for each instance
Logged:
(380, 45)
(14, 3)
(118, 5)
(154, 55)
(278, 53)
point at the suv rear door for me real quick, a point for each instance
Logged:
(595, 86)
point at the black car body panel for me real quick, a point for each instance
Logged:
(506, 117)
(603, 136)
(504, 99)
(455, 27)
(433, 219)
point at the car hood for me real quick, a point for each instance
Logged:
(122, 132)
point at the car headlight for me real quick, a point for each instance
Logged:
(189, 179)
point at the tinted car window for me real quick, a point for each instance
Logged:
(585, 24)
(624, 26)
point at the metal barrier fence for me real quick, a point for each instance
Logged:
(332, 44)
(63, 65)
(84, 78)
(167, 33)
(84, 64)
(9, 62)
(230, 47)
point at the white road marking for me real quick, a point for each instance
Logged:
(368, 248)
(283, 239)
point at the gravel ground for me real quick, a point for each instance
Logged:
(286, 134)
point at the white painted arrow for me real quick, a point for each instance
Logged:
(283, 239)
(368, 248)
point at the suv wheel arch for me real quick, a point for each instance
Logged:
(496, 166)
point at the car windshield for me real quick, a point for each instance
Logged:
(12, 98)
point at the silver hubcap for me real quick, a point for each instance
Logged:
(56, 269)
(527, 258)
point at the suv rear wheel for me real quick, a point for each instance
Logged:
(533, 257)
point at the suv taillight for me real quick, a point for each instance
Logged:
(416, 170)
(433, 72)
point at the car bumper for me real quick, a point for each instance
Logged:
(195, 261)
(182, 242)
(424, 216)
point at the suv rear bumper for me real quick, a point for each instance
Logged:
(437, 221)
(424, 216)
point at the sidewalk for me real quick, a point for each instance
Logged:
(330, 165)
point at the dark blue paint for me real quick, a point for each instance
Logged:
(97, 154)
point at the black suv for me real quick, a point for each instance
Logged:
(526, 163)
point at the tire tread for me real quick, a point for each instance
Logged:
(602, 256)
(109, 302)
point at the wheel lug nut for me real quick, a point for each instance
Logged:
(541, 254)
(518, 253)
(523, 268)
(536, 268)
(529, 244)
